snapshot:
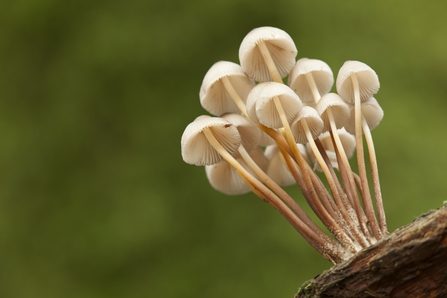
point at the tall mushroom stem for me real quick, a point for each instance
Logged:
(367, 202)
(344, 207)
(375, 178)
(269, 62)
(234, 95)
(330, 222)
(283, 195)
(326, 247)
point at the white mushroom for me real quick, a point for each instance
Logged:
(267, 53)
(262, 108)
(224, 178)
(372, 114)
(250, 134)
(225, 88)
(311, 79)
(196, 146)
(356, 83)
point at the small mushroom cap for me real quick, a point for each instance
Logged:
(261, 107)
(224, 178)
(213, 96)
(347, 141)
(320, 71)
(313, 161)
(339, 109)
(250, 133)
(367, 79)
(266, 140)
(197, 150)
(281, 47)
(372, 113)
(313, 120)
(278, 170)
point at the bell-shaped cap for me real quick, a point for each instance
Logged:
(224, 178)
(315, 164)
(347, 141)
(281, 48)
(321, 73)
(197, 150)
(366, 77)
(339, 110)
(250, 133)
(262, 109)
(278, 170)
(313, 121)
(371, 112)
(213, 95)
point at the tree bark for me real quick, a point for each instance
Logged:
(410, 262)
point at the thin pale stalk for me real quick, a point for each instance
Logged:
(367, 202)
(280, 192)
(352, 193)
(269, 62)
(349, 216)
(361, 217)
(375, 178)
(332, 225)
(235, 96)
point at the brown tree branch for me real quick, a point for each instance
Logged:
(411, 262)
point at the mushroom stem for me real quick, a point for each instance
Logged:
(279, 139)
(316, 94)
(329, 222)
(375, 178)
(323, 247)
(366, 196)
(234, 95)
(269, 62)
(330, 178)
(348, 181)
(313, 86)
(352, 193)
(283, 195)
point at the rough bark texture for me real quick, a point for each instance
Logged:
(411, 262)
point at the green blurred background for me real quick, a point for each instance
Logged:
(95, 200)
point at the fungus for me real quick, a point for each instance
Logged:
(356, 83)
(267, 53)
(225, 88)
(298, 112)
(310, 79)
(224, 178)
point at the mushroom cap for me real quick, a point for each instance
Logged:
(347, 141)
(339, 109)
(310, 115)
(213, 96)
(250, 133)
(313, 161)
(197, 150)
(367, 78)
(278, 170)
(372, 113)
(261, 107)
(224, 178)
(280, 45)
(320, 71)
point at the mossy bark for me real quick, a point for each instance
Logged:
(410, 262)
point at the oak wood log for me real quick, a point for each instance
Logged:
(410, 262)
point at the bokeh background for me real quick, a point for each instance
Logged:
(95, 200)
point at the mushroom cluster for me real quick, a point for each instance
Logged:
(265, 135)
